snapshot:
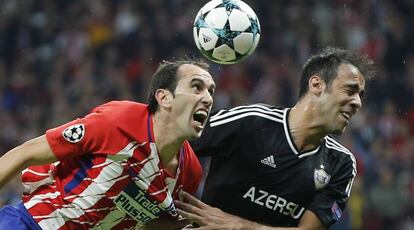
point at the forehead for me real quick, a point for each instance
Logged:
(190, 71)
(348, 74)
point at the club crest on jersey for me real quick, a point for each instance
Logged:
(321, 178)
(74, 133)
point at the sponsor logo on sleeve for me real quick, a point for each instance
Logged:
(336, 211)
(74, 133)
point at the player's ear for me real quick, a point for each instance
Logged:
(316, 85)
(164, 98)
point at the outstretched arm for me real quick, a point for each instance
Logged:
(209, 218)
(33, 152)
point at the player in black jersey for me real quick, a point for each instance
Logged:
(282, 167)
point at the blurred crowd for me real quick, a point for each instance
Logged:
(59, 59)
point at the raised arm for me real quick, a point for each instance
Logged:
(210, 218)
(33, 152)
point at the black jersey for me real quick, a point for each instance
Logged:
(257, 173)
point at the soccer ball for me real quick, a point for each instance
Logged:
(226, 31)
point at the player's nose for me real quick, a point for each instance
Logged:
(356, 101)
(207, 98)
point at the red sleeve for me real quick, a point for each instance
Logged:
(95, 133)
(193, 171)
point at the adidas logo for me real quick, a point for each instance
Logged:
(206, 38)
(270, 161)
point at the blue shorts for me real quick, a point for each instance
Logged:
(17, 218)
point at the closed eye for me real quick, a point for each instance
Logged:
(211, 91)
(362, 94)
(353, 89)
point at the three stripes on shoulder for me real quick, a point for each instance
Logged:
(236, 113)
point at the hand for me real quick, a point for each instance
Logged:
(205, 216)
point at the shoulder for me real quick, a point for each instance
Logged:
(121, 106)
(129, 116)
(115, 110)
(248, 113)
(340, 151)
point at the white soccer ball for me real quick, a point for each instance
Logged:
(226, 31)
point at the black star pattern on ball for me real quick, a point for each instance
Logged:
(229, 5)
(200, 23)
(226, 36)
(254, 26)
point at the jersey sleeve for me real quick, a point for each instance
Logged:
(330, 203)
(94, 133)
(221, 130)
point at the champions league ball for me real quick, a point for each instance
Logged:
(226, 31)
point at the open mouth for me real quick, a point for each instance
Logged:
(200, 117)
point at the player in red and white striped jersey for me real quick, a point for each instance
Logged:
(119, 167)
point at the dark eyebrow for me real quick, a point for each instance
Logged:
(355, 88)
(211, 89)
(195, 79)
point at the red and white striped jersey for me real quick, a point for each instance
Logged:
(109, 174)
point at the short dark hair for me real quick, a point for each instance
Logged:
(326, 63)
(165, 77)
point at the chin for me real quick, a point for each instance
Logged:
(199, 133)
(195, 135)
(339, 131)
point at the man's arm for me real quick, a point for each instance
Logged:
(208, 217)
(33, 152)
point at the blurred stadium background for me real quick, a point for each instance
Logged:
(59, 59)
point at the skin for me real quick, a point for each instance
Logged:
(194, 91)
(325, 109)
(173, 123)
(210, 218)
(34, 152)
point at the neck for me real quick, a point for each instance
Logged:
(306, 125)
(166, 140)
